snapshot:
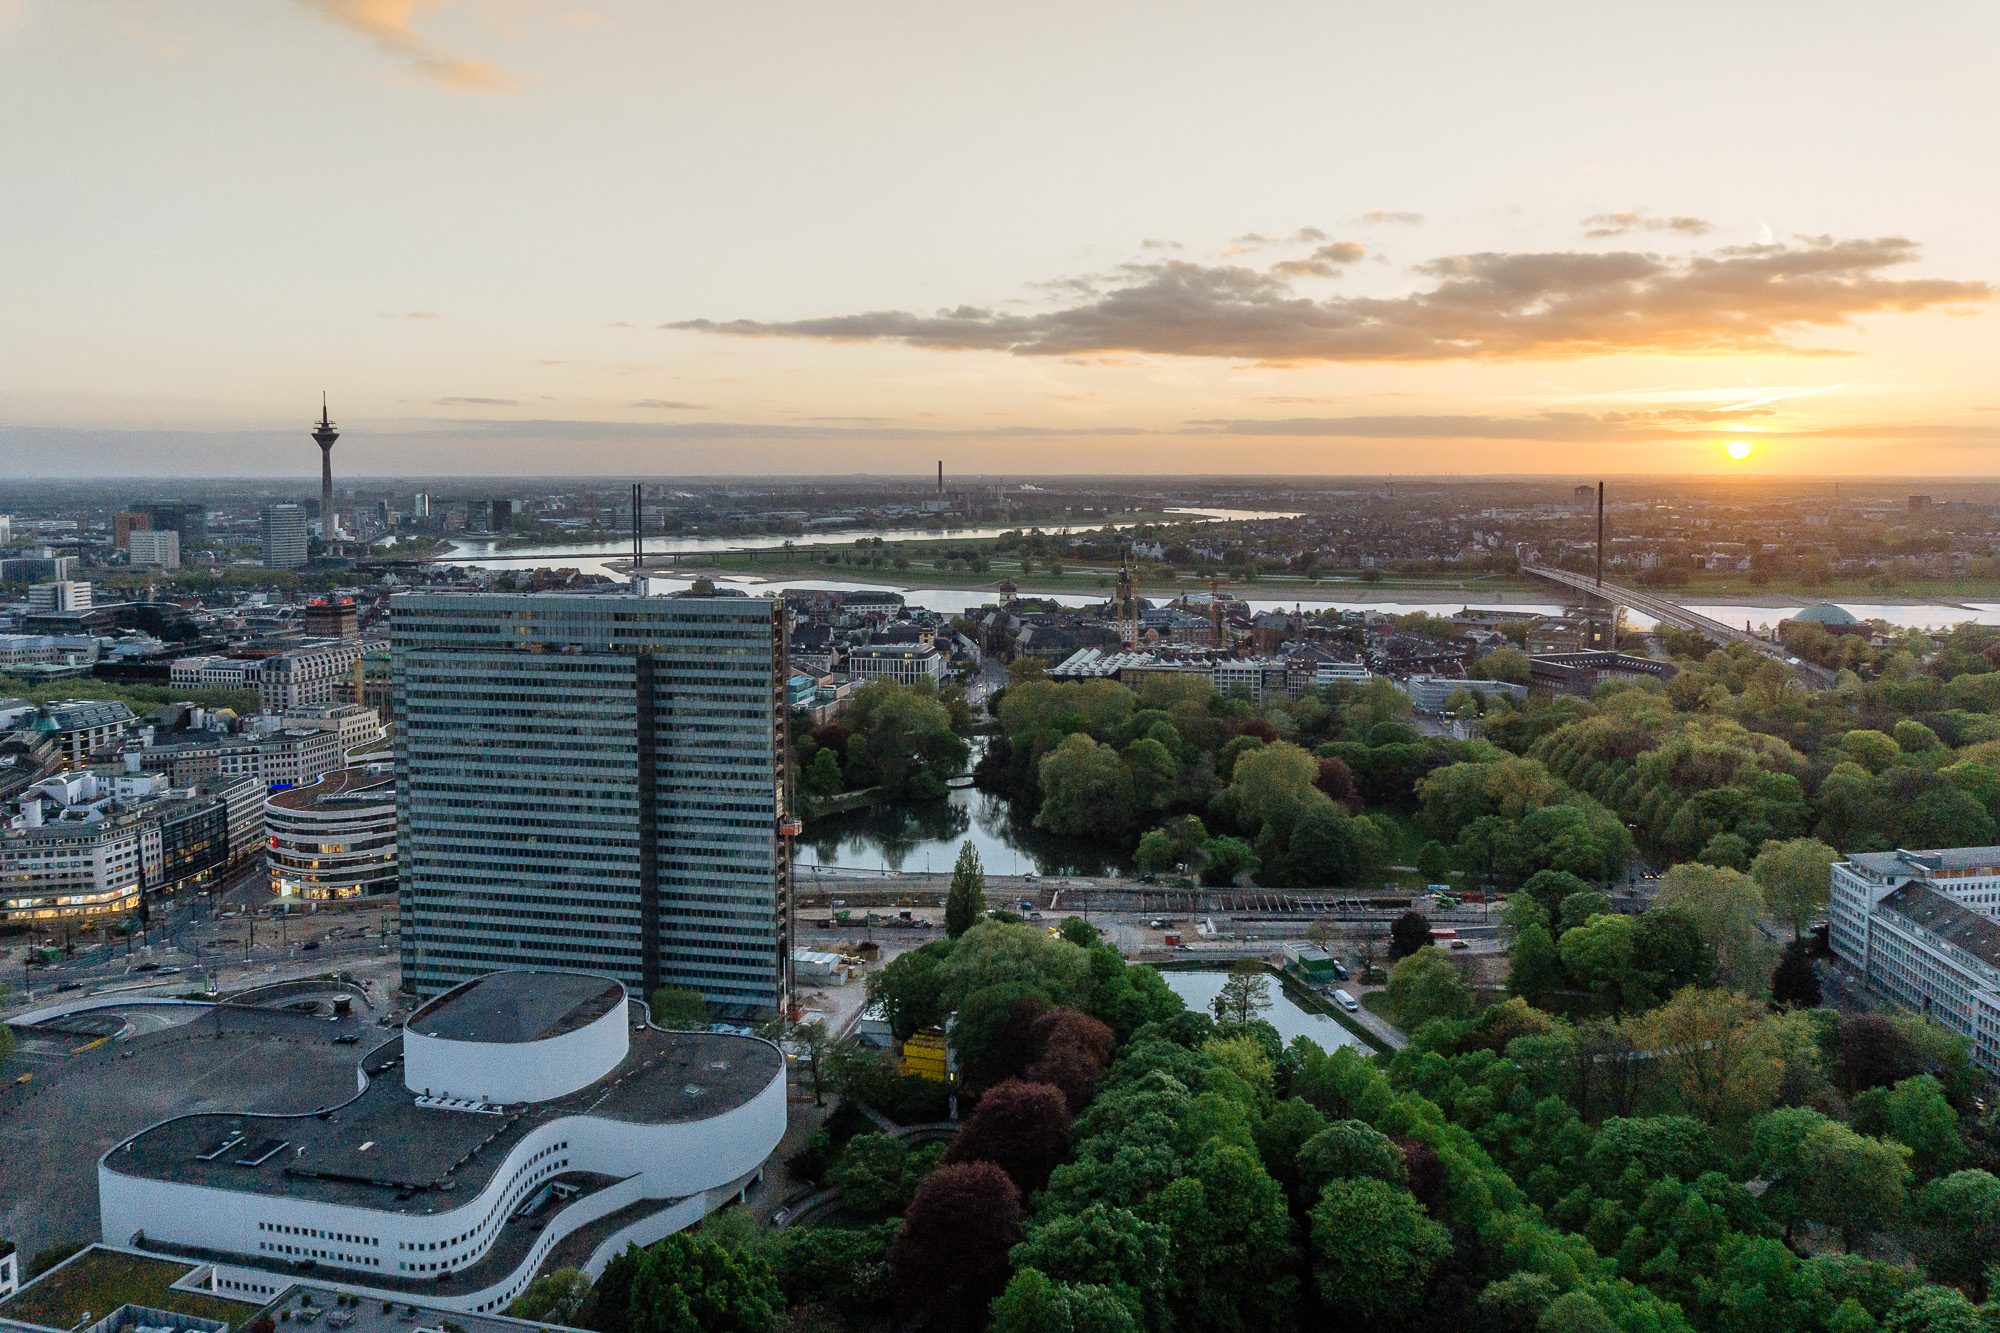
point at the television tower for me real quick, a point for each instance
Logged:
(324, 435)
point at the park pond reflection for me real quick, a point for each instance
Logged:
(1199, 989)
(924, 836)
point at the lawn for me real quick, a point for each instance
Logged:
(100, 1281)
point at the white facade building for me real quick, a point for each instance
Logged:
(904, 663)
(60, 595)
(1921, 926)
(156, 550)
(529, 1105)
(335, 838)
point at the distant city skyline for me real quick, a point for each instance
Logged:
(514, 241)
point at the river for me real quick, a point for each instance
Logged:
(1199, 989)
(955, 601)
(926, 835)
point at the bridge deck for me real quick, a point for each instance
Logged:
(1673, 613)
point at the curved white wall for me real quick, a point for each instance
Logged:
(662, 1162)
(506, 1072)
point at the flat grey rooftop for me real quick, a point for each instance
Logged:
(1905, 861)
(382, 1151)
(517, 1007)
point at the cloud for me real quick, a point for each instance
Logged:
(668, 405)
(387, 24)
(1483, 306)
(1387, 215)
(1325, 262)
(1151, 244)
(1249, 240)
(1619, 224)
(1558, 427)
(476, 402)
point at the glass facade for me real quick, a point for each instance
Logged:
(593, 782)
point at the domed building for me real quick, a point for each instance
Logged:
(1833, 619)
(517, 1113)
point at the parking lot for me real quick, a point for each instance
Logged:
(93, 1088)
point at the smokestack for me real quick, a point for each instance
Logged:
(1600, 534)
(940, 478)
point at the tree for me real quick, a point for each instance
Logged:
(552, 1298)
(1961, 1214)
(1507, 664)
(1085, 790)
(1935, 1310)
(1726, 906)
(1411, 932)
(1023, 1128)
(950, 1257)
(1795, 876)
(1245, 994)
(1794, 982)
(1344, 1150)
(1032, 1303)
(965, 901)
(1427, 985)
(1156, 853)
(1535, 969)
(911, 990)
(1601, 954)
(823, 777)
(1717, 1050)
(1870, 749)
(1857, 1184)
(1374, 1251)
(878, 1175)
(1433, 861)
(1154, 772)
(1915, 1114)
(815, 1044)
(1105, 1247)
(685, 1284)
(1229, 859)
(679, 1008)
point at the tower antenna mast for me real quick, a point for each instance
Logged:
(324, 435)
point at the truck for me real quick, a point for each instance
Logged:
(1347, 1002)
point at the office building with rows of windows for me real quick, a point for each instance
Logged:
(1924, 928)
(593, 782)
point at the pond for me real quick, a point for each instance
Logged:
(916, 836)
(1199, 989)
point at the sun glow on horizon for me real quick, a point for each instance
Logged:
(1738, 449)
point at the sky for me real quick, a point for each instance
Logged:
(774, 237)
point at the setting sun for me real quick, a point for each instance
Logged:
(1739, 450)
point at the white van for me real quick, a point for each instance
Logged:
(1347, 1002)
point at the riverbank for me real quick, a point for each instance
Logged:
(1971, 596)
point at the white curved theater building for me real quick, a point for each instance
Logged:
(522, 1115)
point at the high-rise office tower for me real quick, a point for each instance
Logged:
(285, 537)
(593, 782)
(187, 518)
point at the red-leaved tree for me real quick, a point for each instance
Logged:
(1337, 781)
(950, 1257)
(1023, 1128)
(1077, 1030)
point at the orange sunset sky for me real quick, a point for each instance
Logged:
(763, 237)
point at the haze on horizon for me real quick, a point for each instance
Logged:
(512, 237)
